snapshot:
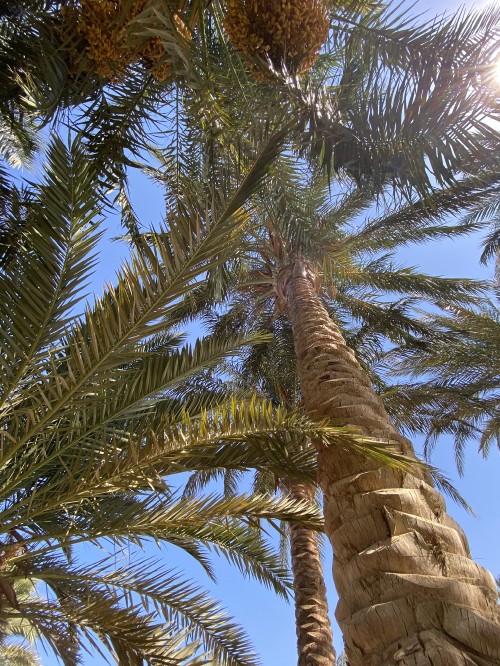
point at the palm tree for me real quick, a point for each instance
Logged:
(413, 119)
(96, 415)
(293, 217)
(269, 368)
(273, 371)
(407, 585)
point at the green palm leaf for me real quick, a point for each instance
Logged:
(456, 390)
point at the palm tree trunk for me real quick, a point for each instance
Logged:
(314, 630)
(410, 594)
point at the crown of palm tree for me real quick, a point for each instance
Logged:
(375, 301)
(390, 99)
(352, 259)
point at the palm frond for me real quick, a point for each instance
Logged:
(18, 655)
(457, 387)
(42, 285)
(184, 606)
(410, 119)
(413, 222)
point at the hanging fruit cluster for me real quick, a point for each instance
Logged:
(104, 43)
(287, 32)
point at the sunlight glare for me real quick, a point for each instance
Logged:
(496, 72)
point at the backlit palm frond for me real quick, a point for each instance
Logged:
(18, 140)
(426, 219)
(475, 333)
(49, 627)
(270, 367)
(349, 269)
(274, 386)
(393, 35)
(393, 320)
(418, 107)
(217, 523)
(486, 210)
(17, 636)
(117, 126)
(198, 481)
(42, 284)
(465, 412)
(491, 430)
(203, 391)
(458, 372)
(492, 247)
(18, 655)
(382, 275)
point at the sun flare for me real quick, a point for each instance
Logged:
(496, 72)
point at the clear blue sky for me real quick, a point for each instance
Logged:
(268, 620)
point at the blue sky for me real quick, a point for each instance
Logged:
(268, 620)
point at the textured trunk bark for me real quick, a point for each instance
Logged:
(314, 630)
(410, 594)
